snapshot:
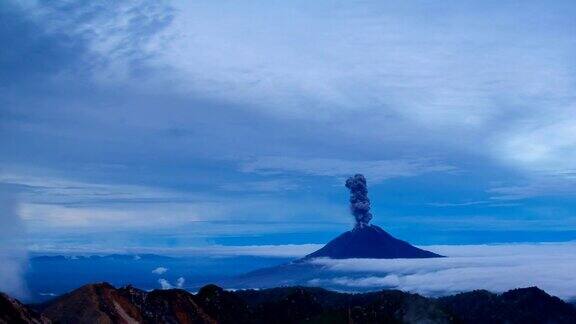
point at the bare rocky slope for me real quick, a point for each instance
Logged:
(14, 312)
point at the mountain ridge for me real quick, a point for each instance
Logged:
(103, 303)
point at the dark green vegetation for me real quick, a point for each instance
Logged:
(102, 303)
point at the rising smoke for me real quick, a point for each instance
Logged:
(359, 202)
(13, 256)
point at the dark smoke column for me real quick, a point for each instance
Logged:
(359, 202)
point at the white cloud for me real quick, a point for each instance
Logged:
(544, 144)
(493, 267)
(165, 284)
(50, 294)
(180, 282)
(59, 203)
(40, 187)
(160, 270)
(373, 170)
(134, 216)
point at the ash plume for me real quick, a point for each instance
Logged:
(359, 202)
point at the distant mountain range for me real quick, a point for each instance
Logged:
(103, 303)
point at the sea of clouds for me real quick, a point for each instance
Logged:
(496, 268)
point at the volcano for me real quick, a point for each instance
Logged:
(364, 241)
(371, 242)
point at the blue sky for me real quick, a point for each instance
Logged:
(146, 124)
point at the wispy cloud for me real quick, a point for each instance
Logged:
(374, 170)
(458, 204)
(540, 185)
(48, 189)
(261, 186)
(116, 38)
(52, 202)
(494, 202)
(280, 250)
(160, 270)
(286, 250)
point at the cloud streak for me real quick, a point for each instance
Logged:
(280, 251)
(160, 270)
(374, 170)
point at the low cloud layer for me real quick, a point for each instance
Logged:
(495, 268)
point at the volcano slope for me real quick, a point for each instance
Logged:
(370, 242)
